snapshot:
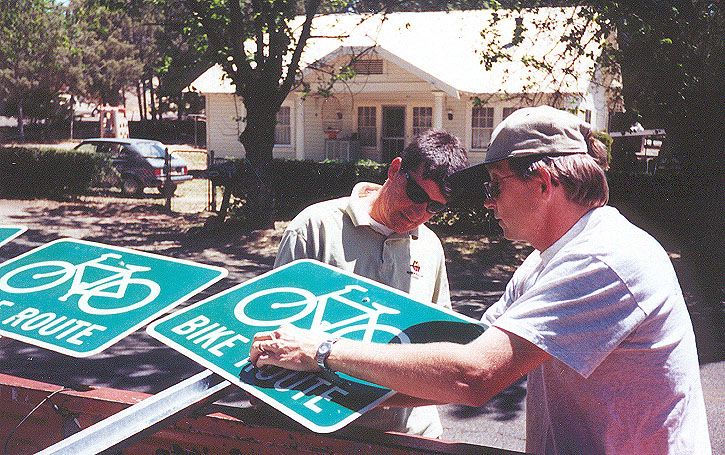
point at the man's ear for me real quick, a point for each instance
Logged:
(394, 167)
(545, 179)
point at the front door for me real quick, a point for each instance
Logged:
(393, 138)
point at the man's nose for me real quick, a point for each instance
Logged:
(417, 211)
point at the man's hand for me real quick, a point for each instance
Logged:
(287, 347)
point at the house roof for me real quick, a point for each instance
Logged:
(446, 49)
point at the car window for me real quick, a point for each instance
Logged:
(127, 152)
(108, 149)
(86, 147)
(150, 150)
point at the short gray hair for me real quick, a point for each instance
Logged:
(581, 175)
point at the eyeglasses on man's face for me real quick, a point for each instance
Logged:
(493, 187)
(418, 195)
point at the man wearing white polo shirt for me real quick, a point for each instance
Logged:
(378, 232)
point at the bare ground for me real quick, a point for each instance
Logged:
(478, 270)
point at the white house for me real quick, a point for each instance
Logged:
(414, 71)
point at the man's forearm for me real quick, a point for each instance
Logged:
(430, 373)
(401, 400)
(467, 374)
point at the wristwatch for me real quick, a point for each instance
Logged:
(323, 351)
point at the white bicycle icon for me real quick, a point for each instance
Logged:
(277, 306)
(48, 274)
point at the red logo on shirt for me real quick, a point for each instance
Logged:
(415, 269)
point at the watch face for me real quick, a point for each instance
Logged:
(322, 352)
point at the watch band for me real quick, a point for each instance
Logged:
(323, 352)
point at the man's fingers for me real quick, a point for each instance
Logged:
(258, 351)
(287, 347)
(261, 336)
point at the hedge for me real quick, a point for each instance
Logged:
(297, 184)
(43, 172)
(53, 172)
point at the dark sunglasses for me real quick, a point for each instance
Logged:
(493, 187)
(417, 194)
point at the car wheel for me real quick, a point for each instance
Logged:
(168, 190)
(130, 186)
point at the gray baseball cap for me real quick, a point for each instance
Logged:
(539, 130)
(529, 131)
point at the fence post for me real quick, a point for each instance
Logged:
(167, 178)
(212, 188)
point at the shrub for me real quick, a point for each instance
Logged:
(37, 172)
(297, 184)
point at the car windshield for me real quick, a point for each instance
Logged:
(150, 150)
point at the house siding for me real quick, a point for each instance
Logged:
(222, 129)
(401, 83)
(224, 113)
(395, 87)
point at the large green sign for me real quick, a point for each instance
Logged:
(78, 297)
(217, 333)
(7, 233)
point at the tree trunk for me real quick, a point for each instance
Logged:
(140, 100)
(21, 120)
(152, 99)
(258, 141)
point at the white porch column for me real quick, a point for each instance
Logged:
(468, 139)
(438, 109)
(299, 126)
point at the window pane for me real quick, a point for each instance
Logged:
(367, 126)
(508, 111)
(481, 127)
(283, 129)
(422, 119)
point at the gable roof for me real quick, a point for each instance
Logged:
(446, 49)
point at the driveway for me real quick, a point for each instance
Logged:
(478, 272)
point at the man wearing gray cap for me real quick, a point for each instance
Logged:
(595, 315)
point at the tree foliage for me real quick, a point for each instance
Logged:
(673, 68)
(107, 42)
(671, 59)
(35, 58)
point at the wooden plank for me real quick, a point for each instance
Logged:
(215, 430)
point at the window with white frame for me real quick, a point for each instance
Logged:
(367, 128)
(283, 127)
(481, 127)
(422, 120)
(508, 111)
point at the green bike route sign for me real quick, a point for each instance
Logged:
(78, 298)
(217, 333)
(7, 233)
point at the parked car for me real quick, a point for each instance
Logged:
(140, 163)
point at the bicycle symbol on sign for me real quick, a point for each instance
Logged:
(278, 306)
(49, 274)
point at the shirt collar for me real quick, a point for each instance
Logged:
(575, 230)
(359, 205)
